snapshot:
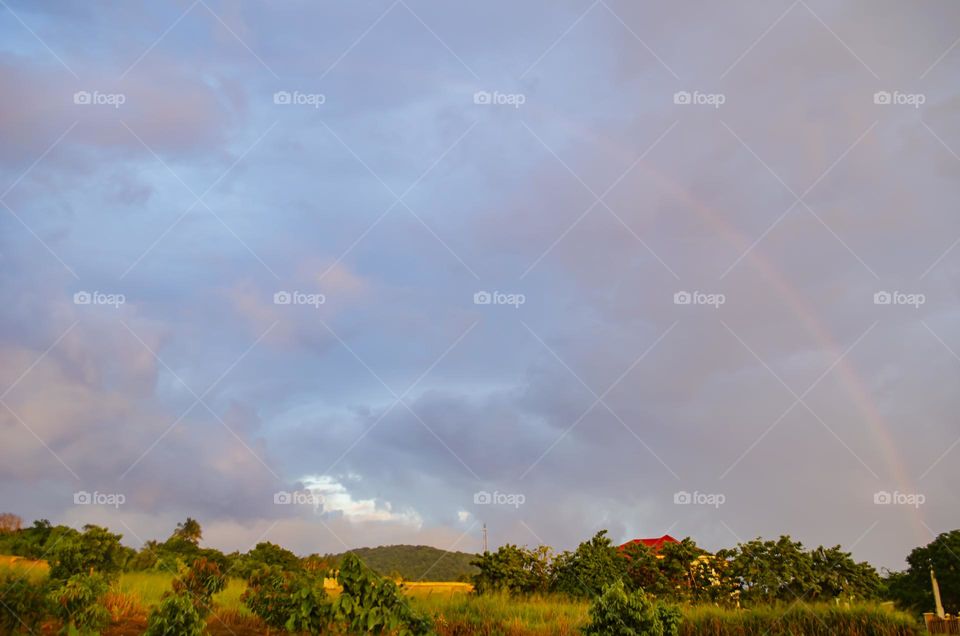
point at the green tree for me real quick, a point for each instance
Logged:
(189, 530)
(586, 570)
(95, 550)
(513, 569)
(912, 589)
(834, 574)
(642, 569)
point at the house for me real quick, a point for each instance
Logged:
(654, 544)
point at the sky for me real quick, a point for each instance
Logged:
(336, 274)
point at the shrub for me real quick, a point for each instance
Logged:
(77, 604)
(24, 602)
(368, 603)
(618, 613)
(200, 582)
(176, 615)
(268, 595)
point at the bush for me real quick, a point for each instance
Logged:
(176, 615)
(370, 604)
(589, 568)
(77, 604)
(288, 600)
(200, 582)
(24, 602)
(618, 613)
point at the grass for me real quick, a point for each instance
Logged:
(457, 612)
(491, 614)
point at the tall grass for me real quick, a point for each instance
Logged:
(797, 620)
(460, 614)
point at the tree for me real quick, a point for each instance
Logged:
(768, 571)
(586, 570)
(9, 522)
(642, 569)
(836, 574)
(513, 569)
(189, 531)
(912, 590)
(77, 604)
(95, 550)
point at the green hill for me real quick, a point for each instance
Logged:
(417, 562)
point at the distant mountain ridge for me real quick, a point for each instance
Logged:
(417, 562)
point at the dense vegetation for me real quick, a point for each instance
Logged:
(757, 587)
(417, 562)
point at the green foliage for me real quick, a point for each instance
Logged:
(23, 602)
(200, 582)
(35, 542)
(189, 531)
(772, 571)
(912, 589)
(176, 615)
(617, 612)
(370, 604)
(588, 569)
(417, 562)
(264, 554)
(512, 569)
(95, 550)
(294, 601)
(77, 604)
(642, 569)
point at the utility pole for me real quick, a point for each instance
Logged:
(485, 538)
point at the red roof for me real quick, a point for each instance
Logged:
(653, 544)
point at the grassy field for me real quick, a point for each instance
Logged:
(456, 612)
